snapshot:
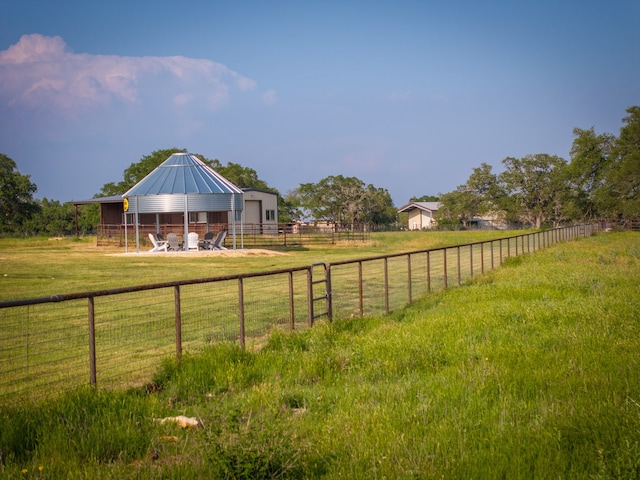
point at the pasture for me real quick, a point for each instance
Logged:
(529, 371)
(118, 340)
(38, 267)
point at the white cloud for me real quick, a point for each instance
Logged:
(39, 72)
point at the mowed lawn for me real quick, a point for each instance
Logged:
(39, 267)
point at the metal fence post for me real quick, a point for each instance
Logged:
(329, 293)
(92, 341)
(428, 272)
(386, 286)
(410, 293)
(444, 265)
(241, 310)
(310, 296)
(360, 290)
(292, 317)
(178, 317)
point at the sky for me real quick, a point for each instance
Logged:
(405, 95)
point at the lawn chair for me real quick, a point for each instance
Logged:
(192, 241)
(217, 243)
(172, 241)
(158, 245)
(207, 244)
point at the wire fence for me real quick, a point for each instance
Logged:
(118, 338)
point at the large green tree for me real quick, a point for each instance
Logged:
(52, 218)
(480, 195)
(585, 173)
(534, 188)
(621, 194)
(16, 197)
(343, 200)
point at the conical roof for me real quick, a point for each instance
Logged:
(182, 173)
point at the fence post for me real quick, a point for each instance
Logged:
(310, 296)
(92, 341)
(329, 293)
(241, 310)
(292, 317)
(492, 256)
(409, 279)
(428, 272)
(178, 321)
(446, 282)
(386, 286)
(471, 259)
(360, 290)
(458, 255)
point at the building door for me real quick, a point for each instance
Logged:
(253, 216)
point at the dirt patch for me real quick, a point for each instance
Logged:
(250, 252)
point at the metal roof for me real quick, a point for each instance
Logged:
(182, 173)
(433, 206)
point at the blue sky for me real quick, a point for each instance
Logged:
(405, 95)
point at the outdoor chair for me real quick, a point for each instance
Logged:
(217, 243)
(158, 245)
(192, 241)
(207, 244)
(172, 241)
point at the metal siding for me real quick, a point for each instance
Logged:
(175, 203)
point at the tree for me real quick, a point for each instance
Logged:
(343, 200)
(16, 197)
(621, 193)
(534, 188)
(52, 218)
(585, 174)
(425, 198)
(137, 171)
(242, 177)
(378, 207)
(480, 195)
(456, 209)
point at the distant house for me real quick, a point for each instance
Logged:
(421, 214)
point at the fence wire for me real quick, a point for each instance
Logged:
(119, 338)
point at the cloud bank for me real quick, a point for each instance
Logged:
(40, 73)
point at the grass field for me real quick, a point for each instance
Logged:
(46, 348)
(530, 371)
(37, 267)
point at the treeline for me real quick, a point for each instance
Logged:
(601, 180)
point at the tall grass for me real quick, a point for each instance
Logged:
(530, 371)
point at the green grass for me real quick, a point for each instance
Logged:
(530, 371)
(45, 347)
(39, 267)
